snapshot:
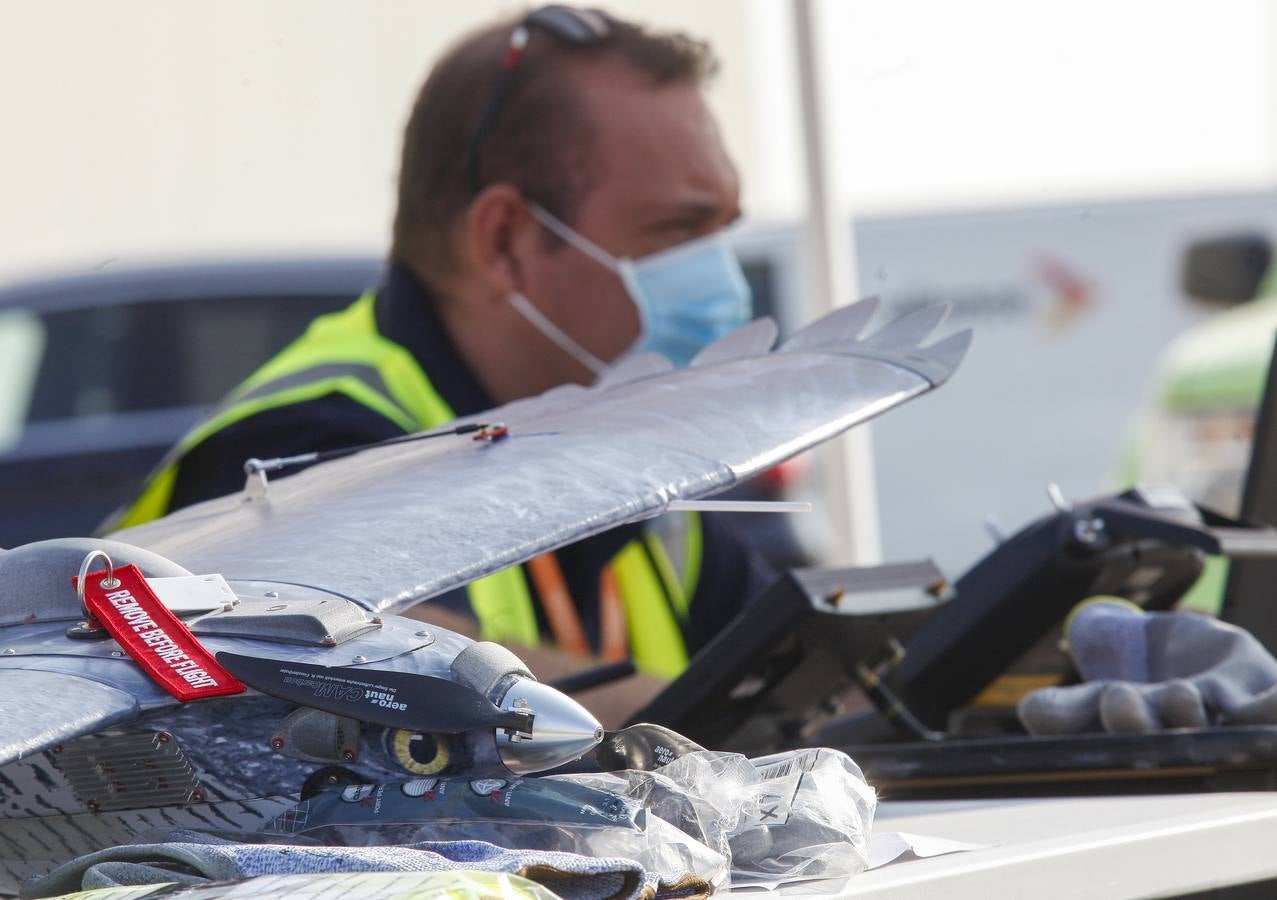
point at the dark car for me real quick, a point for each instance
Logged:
(101, 373)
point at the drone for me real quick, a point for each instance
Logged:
(296, 667)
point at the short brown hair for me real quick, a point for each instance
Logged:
(538, 140)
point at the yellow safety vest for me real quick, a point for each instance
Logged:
(343, 353)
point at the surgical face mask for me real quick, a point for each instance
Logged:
(687, 296)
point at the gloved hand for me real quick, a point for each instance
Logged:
(1146, 671)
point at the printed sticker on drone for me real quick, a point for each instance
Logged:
(357, 792)
(486, 787)
(419, 787)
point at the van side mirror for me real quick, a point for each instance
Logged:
(1226, 270)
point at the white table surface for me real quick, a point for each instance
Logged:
(1094, 847)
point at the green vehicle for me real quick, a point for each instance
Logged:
(1197, 432)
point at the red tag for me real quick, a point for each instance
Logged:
(154, 637)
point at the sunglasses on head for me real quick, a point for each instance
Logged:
(577, 27)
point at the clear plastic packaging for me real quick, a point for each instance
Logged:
(796, 815)
(809, 815)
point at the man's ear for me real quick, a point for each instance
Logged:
(494, 227)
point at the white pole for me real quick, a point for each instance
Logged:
(831, 268)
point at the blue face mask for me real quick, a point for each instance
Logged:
(687, 296)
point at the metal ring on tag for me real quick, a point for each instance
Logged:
(109, 582)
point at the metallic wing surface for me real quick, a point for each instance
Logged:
(41, 709)
(398, 524)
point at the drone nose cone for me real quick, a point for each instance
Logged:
(562, 729)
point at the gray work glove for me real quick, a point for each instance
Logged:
(1146, 671)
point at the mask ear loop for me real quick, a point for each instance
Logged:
(623, 267)
(556, 334)
(535, 316)
(571, 236)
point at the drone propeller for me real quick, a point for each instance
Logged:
(421, 703)
(643, 746)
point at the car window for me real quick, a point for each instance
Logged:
(161, 354)
(224, 341)
(21, 347)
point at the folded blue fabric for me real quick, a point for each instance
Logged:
(191, 857)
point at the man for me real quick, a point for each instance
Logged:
(548, 164)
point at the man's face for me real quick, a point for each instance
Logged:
(662, 177)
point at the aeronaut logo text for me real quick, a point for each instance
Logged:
(384, 699)
(332, 687)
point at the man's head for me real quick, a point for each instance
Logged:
(612, 137)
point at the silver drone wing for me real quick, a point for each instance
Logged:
(398, 524)
(41, 709)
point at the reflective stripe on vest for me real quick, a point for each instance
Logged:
(673, 543)
(343, 353)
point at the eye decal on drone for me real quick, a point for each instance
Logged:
(420, 754)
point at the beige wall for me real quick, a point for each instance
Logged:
(141, 129)
(138, 129)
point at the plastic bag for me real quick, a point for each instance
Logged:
(790, 816)
(809, 815)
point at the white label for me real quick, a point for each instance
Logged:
(192, 595)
